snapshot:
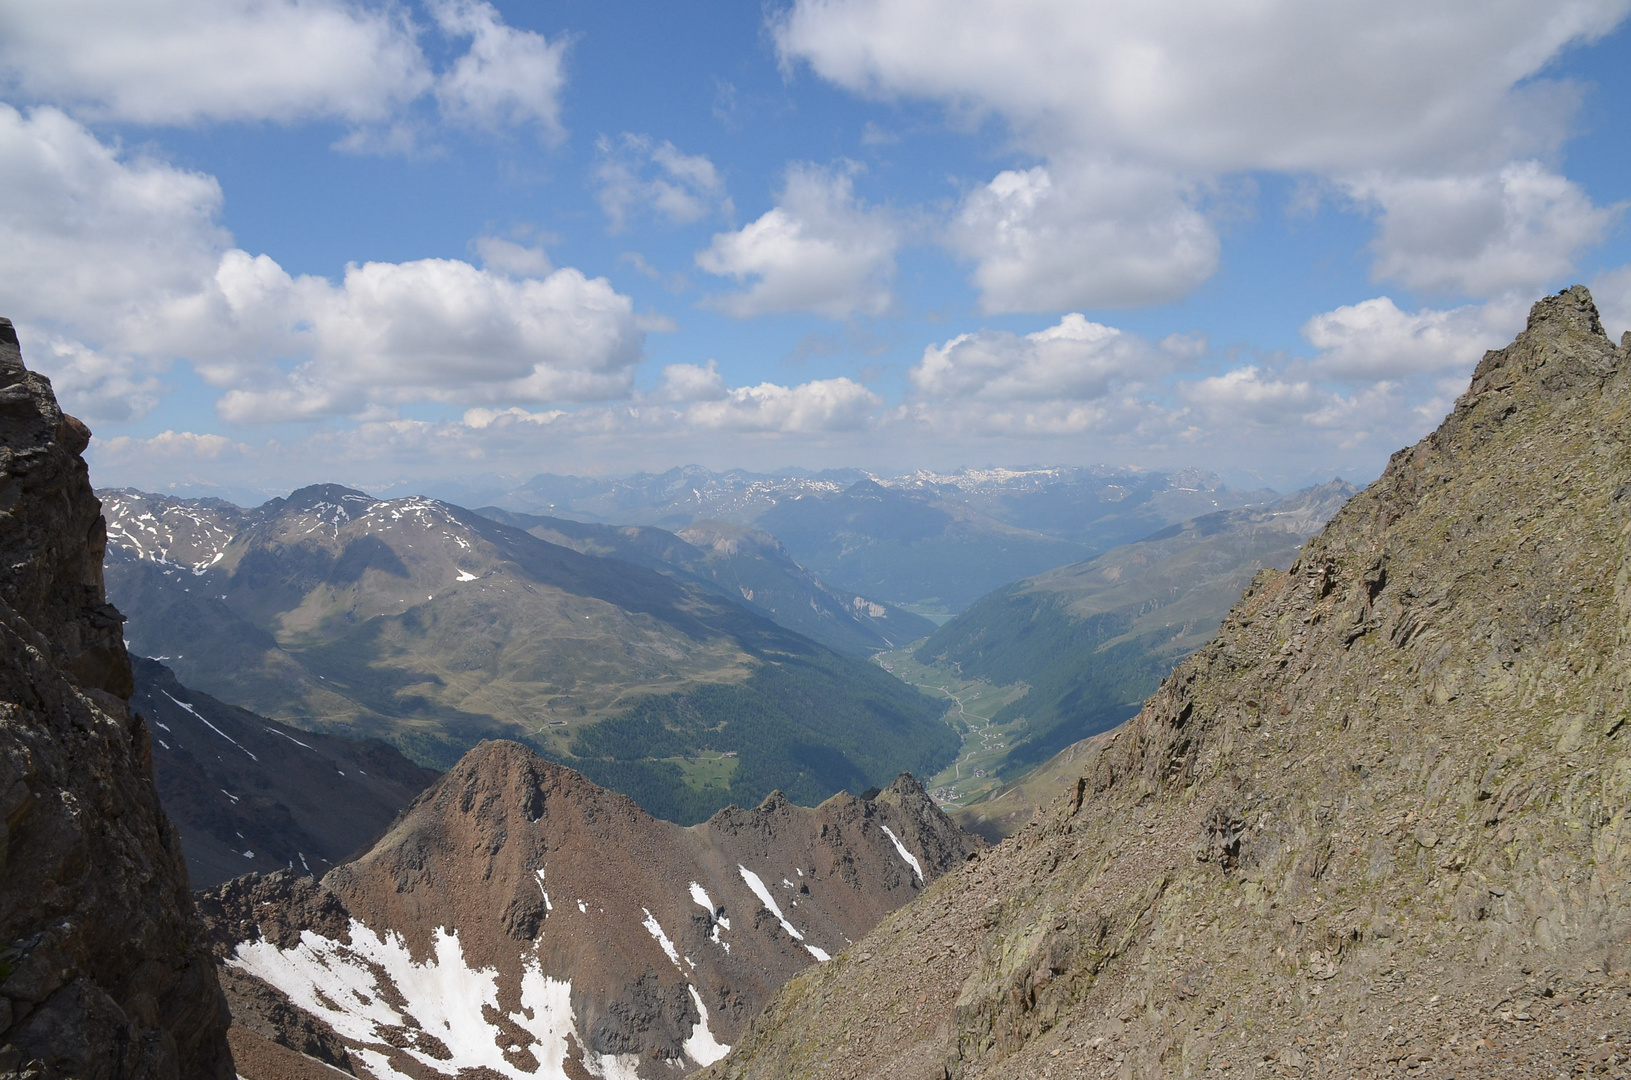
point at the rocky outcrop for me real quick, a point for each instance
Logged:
(1380, 824)
(105, 970)
(519, 919)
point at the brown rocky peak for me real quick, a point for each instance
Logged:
(513, 877)
(104, 967)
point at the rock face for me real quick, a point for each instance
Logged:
(1382, 822)
(519, 919)
(248, 793)
(105, 970)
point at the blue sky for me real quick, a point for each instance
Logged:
(261, 244)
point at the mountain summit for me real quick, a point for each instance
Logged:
(520, 920)
(1379, 823)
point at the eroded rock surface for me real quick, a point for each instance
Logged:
(1381, 825)
(105, 970)
(519, 919)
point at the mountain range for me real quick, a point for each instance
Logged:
(930, 542)
(1378, 826)
(519, 921)
(433, 627)
(1083, 645)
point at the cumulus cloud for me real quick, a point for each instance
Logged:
(1221, 87)
(92, 385)
(1132, 105)
(508, 76)
(820, 249)
(442, 330)
(692, 382)
(124, 261)
(86, 237)
(1517, 227)
(184, 445)
(1075, 360)
(1091, 235)
(818, 406)
(1374, 339)
(182, 61)
(193, 61)
(637, 174)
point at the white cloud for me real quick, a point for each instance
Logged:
(1612, 291)
(204, 61)
(442, 330)
(91, 385)
(636, 173)
(1518, 227)
(1374, 339)
(1091, 235)
(818, 406)
(1136, 107)
(182, 445)
(124, 261)
(1076, 360)
(509, 257)
(820, 249)
(183, 61)
(88, 239)
(508, 76)
(692, 382)
(1221, 87)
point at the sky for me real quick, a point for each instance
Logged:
(263, 243)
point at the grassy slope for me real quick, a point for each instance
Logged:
(433, 628)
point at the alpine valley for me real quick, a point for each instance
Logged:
(433, 627)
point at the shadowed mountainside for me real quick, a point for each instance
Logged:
(104, 966)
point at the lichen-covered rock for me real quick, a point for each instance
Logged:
(105, 970)
(1382, 823)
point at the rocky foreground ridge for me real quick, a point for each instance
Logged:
(1379, 826)
(519, 921)
(105, 970)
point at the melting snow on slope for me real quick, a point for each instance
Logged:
(338, 982)
(466, 576)
(907, 855)
(701, 1046)
(655, 929)
(211, 726)
(757, 884)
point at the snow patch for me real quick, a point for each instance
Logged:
(819, 954)
(466, 576)
(701, 1046)
(341, 983)
(209, 725)
(907, 855)
(655, 929)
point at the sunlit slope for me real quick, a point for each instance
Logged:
(434, 627)
(743, 564)
(1093, 639)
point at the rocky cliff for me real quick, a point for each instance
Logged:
(1382, 823)
(105, 970)
(519, 919)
